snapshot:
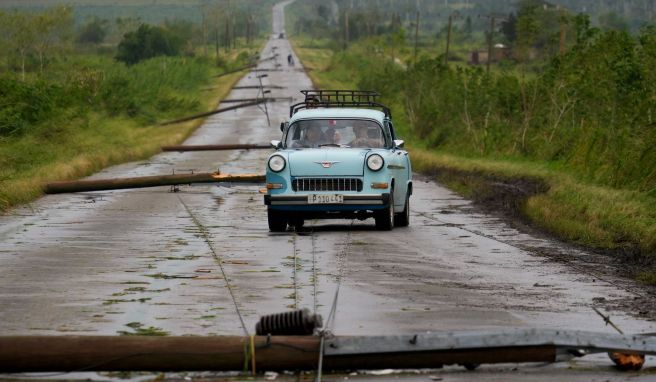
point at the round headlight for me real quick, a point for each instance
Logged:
(375, 162)
(276, 163)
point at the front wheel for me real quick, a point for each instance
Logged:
(297, 222)
(385, 217)
(277, 221)
(402, 219)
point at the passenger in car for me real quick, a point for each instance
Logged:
(361, 139)
(332, 136)
(375, 139)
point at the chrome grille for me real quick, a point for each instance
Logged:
(327, 184)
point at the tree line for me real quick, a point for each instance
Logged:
(52, 69)
(42, 36)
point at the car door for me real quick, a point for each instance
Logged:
(399, 168)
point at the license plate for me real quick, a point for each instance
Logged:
(325, 199)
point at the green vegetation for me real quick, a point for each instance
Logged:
(139, 330)
(580, 122)
(147, 42)
(68, 108)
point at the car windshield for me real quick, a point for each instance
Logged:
(335, 132)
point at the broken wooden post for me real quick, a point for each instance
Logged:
(148, 181)
(237, 146)
(206, 114)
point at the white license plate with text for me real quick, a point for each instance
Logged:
(325, 199)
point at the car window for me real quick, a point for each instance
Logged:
(340, 132)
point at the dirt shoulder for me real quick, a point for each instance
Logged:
(509, 197)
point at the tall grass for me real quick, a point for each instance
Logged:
(89, 112)
(583, 126)
(590, 111)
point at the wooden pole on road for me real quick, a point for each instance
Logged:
(148, 181)
(237, 146)
(206, 114)
(125, 353)
(229, 353)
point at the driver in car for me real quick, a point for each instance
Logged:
(312, 139)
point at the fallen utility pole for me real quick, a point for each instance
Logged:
(232, 353)
(217, 111)
(148, 181)
(246, 67)
(235, 70)
(237, 146)
(268, 99)
(258, 87)
(269, 58)
(125, 353)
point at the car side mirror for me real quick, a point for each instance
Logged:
(283, 125)
(399, 143)
(275, 144)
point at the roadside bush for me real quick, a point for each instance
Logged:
(151, 90)
(22, 104)
(147, 42)
(591, 111)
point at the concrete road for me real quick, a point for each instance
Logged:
(154, 260)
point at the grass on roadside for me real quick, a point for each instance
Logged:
(590, 215)
(574, 210)
(82, 144)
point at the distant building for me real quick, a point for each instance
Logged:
(499, 52)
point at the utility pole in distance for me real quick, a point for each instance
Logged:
(563, 33)
(416, 34)
(346, 29)
(452, 16)
(490, 42)
(490, 39)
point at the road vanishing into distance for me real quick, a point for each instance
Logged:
(202, 261)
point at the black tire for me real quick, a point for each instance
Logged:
(402, 219)
(385, 217)
(277, 221)
(297, 222)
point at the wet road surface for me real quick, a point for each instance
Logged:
(103, 263)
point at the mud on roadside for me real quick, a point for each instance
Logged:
(506, 198)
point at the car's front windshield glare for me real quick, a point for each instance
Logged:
(335, 132)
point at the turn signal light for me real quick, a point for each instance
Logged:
(274, 186)
(380, 185)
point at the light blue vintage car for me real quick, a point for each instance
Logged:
(338, 158)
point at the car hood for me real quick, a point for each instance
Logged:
(327, 162)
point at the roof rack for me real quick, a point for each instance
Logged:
(339, 98)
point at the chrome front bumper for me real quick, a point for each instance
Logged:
(349, 199)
